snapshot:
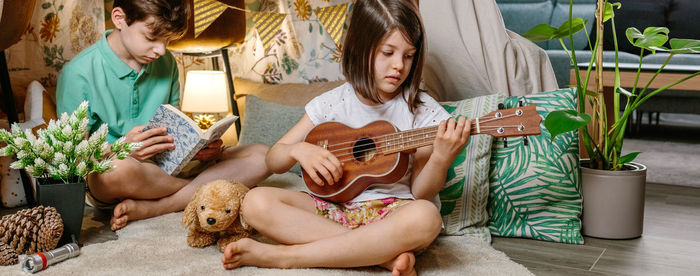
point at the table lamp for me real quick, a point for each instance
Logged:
(205, 96)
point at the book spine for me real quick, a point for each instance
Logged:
(188, 157)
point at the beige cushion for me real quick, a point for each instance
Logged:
(293, 94)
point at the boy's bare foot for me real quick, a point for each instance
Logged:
(402, 265)
(250, 252)
(128, 210)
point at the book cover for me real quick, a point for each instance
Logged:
(188, 137)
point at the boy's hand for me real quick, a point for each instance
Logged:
(451, 137)
(318, 161)
(211, 152)
(153, 141)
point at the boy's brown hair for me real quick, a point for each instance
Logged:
(372, 21)
(170, 15)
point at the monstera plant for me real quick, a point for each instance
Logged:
(612, 186)
(605, 148)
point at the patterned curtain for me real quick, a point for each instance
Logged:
(58, 31)
(302, 51)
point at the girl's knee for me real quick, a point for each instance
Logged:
(428, 221)
(256, 202)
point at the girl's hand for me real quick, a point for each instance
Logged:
(153, 141)
(318, 161)
(451, 137)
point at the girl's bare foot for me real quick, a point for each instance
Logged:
(402, 265)
(250, 252)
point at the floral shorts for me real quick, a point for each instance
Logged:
(356, 214)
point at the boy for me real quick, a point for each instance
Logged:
(126, 76)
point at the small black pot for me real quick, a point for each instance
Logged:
(69, 201)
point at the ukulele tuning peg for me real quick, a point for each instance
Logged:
(525, 141)
(501, 106)
(505, 142)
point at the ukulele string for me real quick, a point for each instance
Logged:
(385, 146)
(434, 129)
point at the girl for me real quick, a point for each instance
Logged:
(382, 61)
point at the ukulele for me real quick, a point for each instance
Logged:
(378, 152)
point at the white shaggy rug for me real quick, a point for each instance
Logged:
(157, 246)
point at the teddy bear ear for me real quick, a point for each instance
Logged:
(190, 214)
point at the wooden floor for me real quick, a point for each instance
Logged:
(670, 244)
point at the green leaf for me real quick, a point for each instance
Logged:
(446, 207)
(628, 157)
(46, 5)
(652, 39)
(542, 32)
(577, 24)
(562, 121)
(311, 28)
(49, 16)
(608, 12)
(684, 46)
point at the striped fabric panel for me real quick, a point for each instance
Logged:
(464, 196)
(205, 12)
(267, 24)
(333, 18)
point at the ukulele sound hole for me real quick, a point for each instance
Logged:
(364, 149)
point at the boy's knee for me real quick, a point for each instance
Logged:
(117, 179)
(259, 150)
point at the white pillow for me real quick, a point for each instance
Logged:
(33, 106)
(11, 189)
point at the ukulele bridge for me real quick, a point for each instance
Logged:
(323, 144)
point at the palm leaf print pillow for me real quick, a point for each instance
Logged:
(535, 190)
(464, 196)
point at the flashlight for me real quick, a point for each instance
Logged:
(40, 260)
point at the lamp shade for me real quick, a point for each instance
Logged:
(205, 92)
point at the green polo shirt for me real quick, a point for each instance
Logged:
(118, 95)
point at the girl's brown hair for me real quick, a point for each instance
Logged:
(371, 22)
(170, 15)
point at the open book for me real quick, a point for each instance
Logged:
(188, 137)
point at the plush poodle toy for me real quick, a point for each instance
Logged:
(212, 215)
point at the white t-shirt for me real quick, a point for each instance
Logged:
(342, 105)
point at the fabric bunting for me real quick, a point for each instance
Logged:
(205, 12)
(267, 24)
(333, 18)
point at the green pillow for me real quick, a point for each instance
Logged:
(465, 194)
(266, 122)
(535, 190)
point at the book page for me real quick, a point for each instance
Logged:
(217, 129)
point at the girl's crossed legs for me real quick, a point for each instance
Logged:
(310, 240)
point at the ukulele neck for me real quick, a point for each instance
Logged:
(416, 138)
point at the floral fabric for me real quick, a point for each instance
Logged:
(58, 30)
(302, 52)
(356, 214)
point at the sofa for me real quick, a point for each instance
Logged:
(678, 15)
(521, 15)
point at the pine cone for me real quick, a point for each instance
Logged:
(31, 230)
(8, 256)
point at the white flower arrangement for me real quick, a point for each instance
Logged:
(64, 150)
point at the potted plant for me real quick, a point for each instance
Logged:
(60, 157)
(611, 209)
